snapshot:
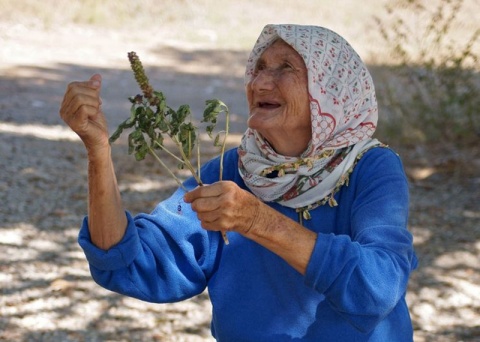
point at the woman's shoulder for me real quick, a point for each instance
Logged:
(380, 155)
(378, 161)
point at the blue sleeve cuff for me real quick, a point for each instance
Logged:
(331, 252)
(119, 256)
(317, 263)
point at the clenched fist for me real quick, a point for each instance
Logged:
(81, 110)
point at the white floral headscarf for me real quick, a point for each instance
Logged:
(344, 116)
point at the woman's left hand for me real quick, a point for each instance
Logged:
(223, 206)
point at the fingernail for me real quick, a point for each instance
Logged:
(96, 83)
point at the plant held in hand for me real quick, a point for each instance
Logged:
(153, 122)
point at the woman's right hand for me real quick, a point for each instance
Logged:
(81, 110)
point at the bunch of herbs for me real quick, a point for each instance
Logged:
(154, 122)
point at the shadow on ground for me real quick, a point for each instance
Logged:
(46, 290)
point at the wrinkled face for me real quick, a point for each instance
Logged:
(278, 99)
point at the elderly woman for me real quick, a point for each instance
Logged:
(315, 208)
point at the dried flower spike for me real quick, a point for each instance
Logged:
(141, 78)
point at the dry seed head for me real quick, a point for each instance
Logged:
(140, 76)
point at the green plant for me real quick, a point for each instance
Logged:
(435, 95)
(153, 121)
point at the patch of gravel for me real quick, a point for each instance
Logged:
(46, 290)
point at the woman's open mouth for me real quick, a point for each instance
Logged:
(268, 105)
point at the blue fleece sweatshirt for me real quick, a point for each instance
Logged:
(354, 287)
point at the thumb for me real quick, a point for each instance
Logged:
(96, 80)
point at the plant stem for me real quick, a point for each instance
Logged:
(222, 152)
(166, 150)
(152, 152)
(187, 162)
(199, 172)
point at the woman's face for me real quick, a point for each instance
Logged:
(278, 99)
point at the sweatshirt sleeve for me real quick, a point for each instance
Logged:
(364, 273)
(163, 257)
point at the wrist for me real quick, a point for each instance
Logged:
(98, 153)
(253, 222)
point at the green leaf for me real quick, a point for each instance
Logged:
(161, 97)
(169, 113)
(209, 129)
(141, 152)
(210, 115)
(182, 113)
(216, 141)
(149, 112)
(135, 139)
(137, 144)
(162, 125)
(178, 118)
(187, 137)
(162, 105)
(130, 122)
(157, 143)
(140, 115)
(118, 132)
(212, 109)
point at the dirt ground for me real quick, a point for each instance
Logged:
(46, 290)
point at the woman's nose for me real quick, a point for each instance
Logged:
(263, 80)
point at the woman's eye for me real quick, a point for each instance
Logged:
(260, 67)
(257, 69)
(278, 69)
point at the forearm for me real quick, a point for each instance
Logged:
(283, 236)
(106, 217)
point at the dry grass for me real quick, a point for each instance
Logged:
(233, 24)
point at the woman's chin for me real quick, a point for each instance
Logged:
(263, 121)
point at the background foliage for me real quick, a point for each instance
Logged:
(433, 92)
